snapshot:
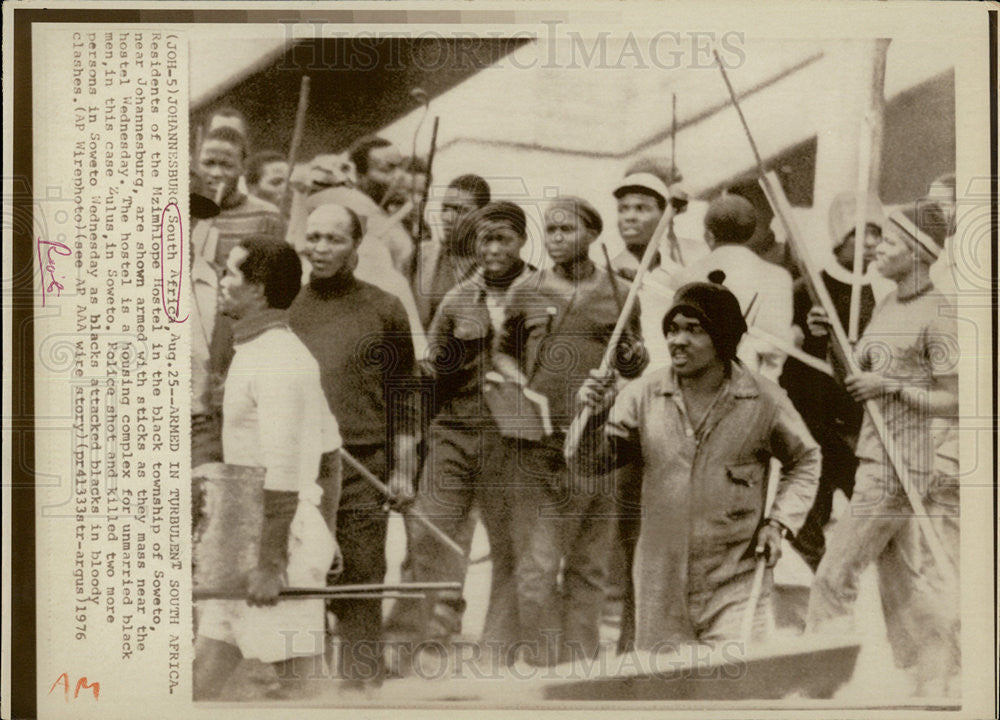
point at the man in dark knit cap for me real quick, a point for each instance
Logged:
(704, 431)
(360, 337)
(908, 356)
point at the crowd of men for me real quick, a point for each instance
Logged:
(333, 322)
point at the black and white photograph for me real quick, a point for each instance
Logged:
(461, 358)
(611, 371)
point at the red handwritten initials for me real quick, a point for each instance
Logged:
(48, 265)
(81, 684)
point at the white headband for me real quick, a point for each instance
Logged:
(911, 229)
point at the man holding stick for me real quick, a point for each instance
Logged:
(554, 333)
(361, 338)
(275, 418)
(703, 431)
(908, 359)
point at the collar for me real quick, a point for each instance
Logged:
(339, 284)
(477, 279)
(627, 265)
(234, 199)
(924, 287)
(741, 382)
(247, 328)
(584, 269)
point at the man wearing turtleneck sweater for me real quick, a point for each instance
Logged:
(361, 338)
(555, 332)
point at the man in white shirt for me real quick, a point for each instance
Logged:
(275, 417)
(763, 289)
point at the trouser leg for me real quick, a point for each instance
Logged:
(878, 511)
(361, 534)
(588, 531)
(629, 484)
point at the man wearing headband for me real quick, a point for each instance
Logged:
(909, 360)
(556, 331)
(704, 432)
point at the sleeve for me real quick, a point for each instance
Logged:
(800, 460)
(439, 337)
(402, 400)
(940, 343)
(286, 437)
(612, 440)
(631, 357)
(274, 226)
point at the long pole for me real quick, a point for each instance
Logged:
(369, 476)
(366, 590)
(422, 208)
(869, 171)
(293, 149)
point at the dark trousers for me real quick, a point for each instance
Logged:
(361, 532)
(629, 495)
(838, 471)
(562, 531)
(460, 458)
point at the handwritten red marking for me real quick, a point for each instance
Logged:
(48, 265)
(172, 315)
(81, 684)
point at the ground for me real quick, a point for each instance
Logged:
(876, 681)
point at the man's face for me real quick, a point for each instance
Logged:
(236, 297)
(329, 245)
(896, 256)
(271, 186)
(566, 238)
(499, 248)
(845, 254)
(220, 164)
(383, 163)
(691, 349)
(455, 206)
(638, 215)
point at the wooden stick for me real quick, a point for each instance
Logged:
(421, 222)
(369, 476)
(579, 424)
(869, 167)
(746, 631)
(792, 351)
(611, 277)
(293, 149)
(358, 591)
(675, 248)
